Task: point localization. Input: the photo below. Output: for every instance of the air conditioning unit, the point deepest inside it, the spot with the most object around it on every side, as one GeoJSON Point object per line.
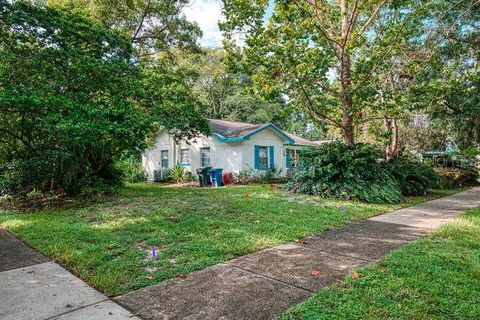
{"type": "Point", "coordinates": [161, 175]}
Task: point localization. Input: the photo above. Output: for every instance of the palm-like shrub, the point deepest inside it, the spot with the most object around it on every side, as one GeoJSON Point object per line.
{"type": "Point", "coordinates": [413, 177]}
{"type": "Point", "coordinates": [344, 171]}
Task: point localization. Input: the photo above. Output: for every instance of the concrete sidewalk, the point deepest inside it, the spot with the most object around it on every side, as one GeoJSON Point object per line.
{"type": "Point", "coordinates": [34, 288]}
{"type": "Point", "coordinates": [266, 283]}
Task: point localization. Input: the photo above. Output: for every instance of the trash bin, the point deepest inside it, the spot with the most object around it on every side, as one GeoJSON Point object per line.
{"type": "Point", "coordinates": [227, 178]}
{"type": "Point", "coordinates": [216, 177]}
{"type": "Point", "coordinates": [204, 176]}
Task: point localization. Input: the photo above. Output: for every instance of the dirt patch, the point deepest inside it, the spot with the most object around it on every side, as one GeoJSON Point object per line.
{"type": "Point", "coordinates": [49, 201]}
{"type": "Point", "coordinates": [147, 248]}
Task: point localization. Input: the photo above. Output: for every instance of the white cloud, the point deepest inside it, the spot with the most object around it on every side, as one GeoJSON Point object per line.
{"type": "Point", "coordinates": [207, 13]}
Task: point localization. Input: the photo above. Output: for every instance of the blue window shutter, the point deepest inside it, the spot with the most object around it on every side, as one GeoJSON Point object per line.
{"type": "Point", "coordinates": [289, 165]}
{"type": "Point", "coordinates": [257, 157]}
{"type": "Point", "coordinates": [272, 158]}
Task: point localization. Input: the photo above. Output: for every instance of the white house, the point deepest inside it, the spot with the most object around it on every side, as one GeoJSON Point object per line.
{"type": "Point", "coordinates": [233, 146]}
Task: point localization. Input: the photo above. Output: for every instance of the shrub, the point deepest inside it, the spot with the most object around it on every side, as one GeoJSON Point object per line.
{"type": "Point", "coordinates": [75, 126]}
{"type": "Point", "coordinates": [131, 169]}
{"type": "Point", "coordinates": [344, 171]}
{"type": "Point", "coordinates": [413, 177]}
{"type": "Point", "coordinates": [253, 175]}
{"type": "Point", "coordinates": [457, 177]}
{"type": "Point", "coordinates": [178, 174]}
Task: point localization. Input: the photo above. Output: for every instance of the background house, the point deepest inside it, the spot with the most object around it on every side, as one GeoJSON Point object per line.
{"type": "Point", "coordinates": [233, 146]}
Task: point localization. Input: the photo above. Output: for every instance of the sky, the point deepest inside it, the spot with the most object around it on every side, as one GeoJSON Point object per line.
{"type": "Point", "coordinates": [207, 13]}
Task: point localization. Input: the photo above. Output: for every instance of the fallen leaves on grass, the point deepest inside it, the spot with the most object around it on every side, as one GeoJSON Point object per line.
{"type": "Point", "coordinates": [315, 273]}
{"type": "Point", "coordinates": [275, 187]}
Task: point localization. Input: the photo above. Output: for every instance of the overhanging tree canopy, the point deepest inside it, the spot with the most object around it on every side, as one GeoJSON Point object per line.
{"type": "Point", "coordinates": [329, 57]}
{"type": "Point", "coordinates": [73, 97]}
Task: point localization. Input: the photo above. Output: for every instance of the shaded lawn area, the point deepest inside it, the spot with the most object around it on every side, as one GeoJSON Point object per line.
{"type": "Point", "coordinates": [107, 244]}
{"type": "Point", "coordinates": [437, 277]}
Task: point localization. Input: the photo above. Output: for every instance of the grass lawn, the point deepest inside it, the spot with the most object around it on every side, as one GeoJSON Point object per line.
{"type": "Point", "coordinates": [107, 244]}
{"type": "Point", "coordinates": [437, 277]}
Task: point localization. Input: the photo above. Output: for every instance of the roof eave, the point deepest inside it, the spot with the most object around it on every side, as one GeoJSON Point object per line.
{"type": "Point", "coordinates": [247, 136]}
{"type": "Point", "coordinates": [224, 139]}
{"type": "Point", "coordinates": [303, 145]}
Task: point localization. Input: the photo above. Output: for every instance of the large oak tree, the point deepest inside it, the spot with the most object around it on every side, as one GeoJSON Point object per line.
{"type": "Point", "coordinates": [332, 57]}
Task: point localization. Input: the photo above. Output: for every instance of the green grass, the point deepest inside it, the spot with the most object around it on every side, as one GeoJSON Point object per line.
{"type": "Point", "coordinates": [437, 277]}
{"type": "Point", "coordinates": [107, 244]}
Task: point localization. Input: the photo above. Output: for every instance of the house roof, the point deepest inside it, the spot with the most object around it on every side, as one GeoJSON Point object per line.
{"type": "Point", "coordinates": [233, 131]}
{"type": "Point", "coordinates": [229, 129]}
{"type": "Point", "coordinates": [304, 142]}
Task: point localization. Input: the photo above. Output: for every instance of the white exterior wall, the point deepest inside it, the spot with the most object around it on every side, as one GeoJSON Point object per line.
{"type": "Point", "coordinates": [265, 138]}
{"type": "Point", "coordinates": [232, 156]}
{"type": "Point", "coordinates": [151, 157]}
{"type": "Point", "coordinates": [222, 155]}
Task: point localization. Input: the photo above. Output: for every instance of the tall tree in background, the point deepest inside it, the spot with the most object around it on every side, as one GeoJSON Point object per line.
{"type": "Point", "coordinates": [405, 85]}
{"type": "Point", "coordinates": [158, 30]}
{"type": "Point", "coordinates": [454, 86]}
{"type": "Point", "coordinates": [223, 88]}
{"type": "Point", "coordinates": [151, 25]}
{"type": "Point", "coordinates": [310, 47]}
{"type": "Point", "coordinates": [330, 57]}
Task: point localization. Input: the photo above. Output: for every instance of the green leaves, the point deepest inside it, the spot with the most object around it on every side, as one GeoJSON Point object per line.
{"type": "Point", "coordinates": [73, 99]}
{"type": "Point", "coordinates": [151, 25]}
{"type": "Point", "coordinates": [413, 177]}
{"type": "Point", "coordinates": [352, 172]}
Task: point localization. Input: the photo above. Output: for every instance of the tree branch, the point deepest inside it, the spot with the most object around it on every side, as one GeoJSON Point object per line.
{"type": "Point", "coordinates": [315, 114]}
{"type": "Point", "coordinates": [334, 45]}
{"type": "Point", "coordinates": [142, 20]}
{"type": "Point", "coordinates": [372, 17]}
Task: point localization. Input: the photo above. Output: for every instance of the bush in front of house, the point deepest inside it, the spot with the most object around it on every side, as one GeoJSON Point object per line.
{"type": "Point", "coordinates": [457, 177]}
{"type": "Point", "coordinates": [413, 177]}
{"type": "Point", "coordinates": [131, 169]}
{"type": "Point", "coordinates": [339, 170]}
{"type": "Point", "coordinates": [251, 175]}
{"type": "Point", "coordinates": [178, 174]}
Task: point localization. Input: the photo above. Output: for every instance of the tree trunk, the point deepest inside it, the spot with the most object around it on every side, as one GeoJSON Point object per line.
{"type": "Point", "coordinates": [346, 83]}
{"type": "Point", "coordinates": [347, 127]}
{"type": "Point", "coordinates": [391, 127]}
{"type": "Point", "coordinates": [347, 121]}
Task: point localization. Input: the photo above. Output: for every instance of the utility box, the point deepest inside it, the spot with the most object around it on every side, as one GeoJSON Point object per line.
{"type": "Point", "coordinates": [161, 175]}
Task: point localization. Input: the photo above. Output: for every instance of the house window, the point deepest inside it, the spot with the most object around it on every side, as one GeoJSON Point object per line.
{"type": "Point", "coordinates": [184, 156]}
{"type": "Point", "coordinates": [264, 157]}
{"type": "Point", "coordinates": [293, 158]}
{"type": "Point", "coordinates": [205, 157]}
{"type": "Point", "coordinates": [164, 157]}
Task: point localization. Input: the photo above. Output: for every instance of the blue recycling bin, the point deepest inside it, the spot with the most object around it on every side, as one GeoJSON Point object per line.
{"type": "Point", "coordinates": [216, 175]}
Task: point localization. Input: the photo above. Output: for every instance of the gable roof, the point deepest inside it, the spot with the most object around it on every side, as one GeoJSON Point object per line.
{"type": "Point", "coordinates": [304, 142]}
{"type": "Point", "coordinates": [233, 131]}
{"type": "Point", "coordinates": [229, 129]}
